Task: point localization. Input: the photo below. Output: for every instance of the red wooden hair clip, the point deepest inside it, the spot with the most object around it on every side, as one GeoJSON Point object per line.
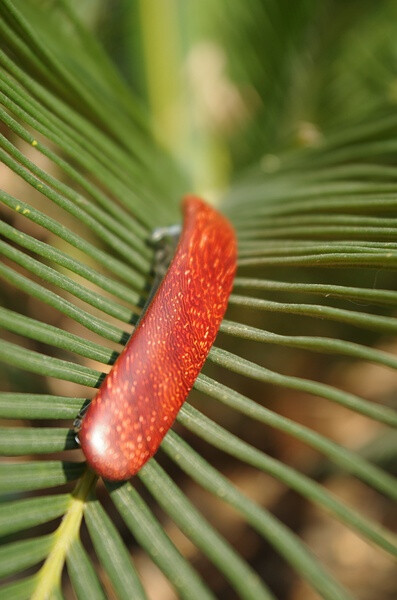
{"type": "Point", "coordinates": [139, 399]}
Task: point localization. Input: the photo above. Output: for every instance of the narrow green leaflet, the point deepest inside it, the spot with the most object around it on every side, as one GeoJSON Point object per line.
{"type": "Point", "coordinates": [147, 530]}
{"type": "Point", "coordinates": [18, 556]}
{"type": "Point", "coordinates": [246, 583]}
{"type": "Point", "coordinates": [82, 574]}
{"type": "Point", "coordinates": [22, 514]}
{"type": "Point", "coordinates": [112, 552]}
{"type": "Point", "coordinates": [285, 120]}
{"type": "Point", "coordinates": [278, 535]}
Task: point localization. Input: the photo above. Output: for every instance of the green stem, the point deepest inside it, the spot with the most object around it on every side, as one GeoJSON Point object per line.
{"type": "Point", "coordinates": [48, 577]}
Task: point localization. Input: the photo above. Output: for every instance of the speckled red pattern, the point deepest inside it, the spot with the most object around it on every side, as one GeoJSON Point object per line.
{"type": "Point", "coordinates": [141, 396]}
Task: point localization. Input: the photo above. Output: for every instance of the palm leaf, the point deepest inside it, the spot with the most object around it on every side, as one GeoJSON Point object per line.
{"type": "Point", "coordinates": [313, 198]}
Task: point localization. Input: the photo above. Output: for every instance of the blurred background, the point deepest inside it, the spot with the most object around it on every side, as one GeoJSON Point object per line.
{"type": "Point", "coordinates": [230, 89]}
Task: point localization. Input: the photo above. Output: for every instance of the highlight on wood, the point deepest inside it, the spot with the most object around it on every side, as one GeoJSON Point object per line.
{"type": "Point", "coordinates": [140, 398]}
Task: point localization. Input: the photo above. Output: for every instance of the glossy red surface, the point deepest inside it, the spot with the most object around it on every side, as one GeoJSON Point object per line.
{"type": "Point", "coordinates": [141, 396]}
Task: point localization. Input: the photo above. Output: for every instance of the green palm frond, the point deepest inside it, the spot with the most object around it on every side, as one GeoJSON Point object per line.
{"type": "Point", "coordinates": [308, 153]}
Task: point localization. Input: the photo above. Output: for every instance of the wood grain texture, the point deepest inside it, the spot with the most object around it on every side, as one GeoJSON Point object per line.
{"type": "Point", "coordinates": [141, 396]}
